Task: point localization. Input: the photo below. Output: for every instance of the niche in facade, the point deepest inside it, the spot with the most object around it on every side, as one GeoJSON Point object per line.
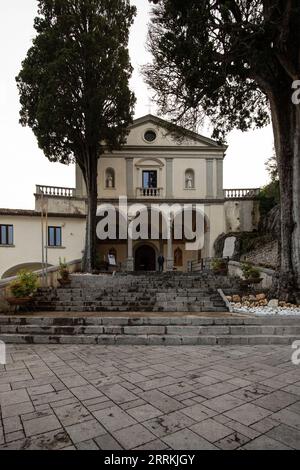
{"type": "Point", "coordinates": [110, 178]}
{"type": "Point", "coordinates": [189, 179]}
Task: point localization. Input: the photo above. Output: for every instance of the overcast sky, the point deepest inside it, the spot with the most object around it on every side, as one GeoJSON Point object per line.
{"type": "Point", "coordinates": [23, 164]}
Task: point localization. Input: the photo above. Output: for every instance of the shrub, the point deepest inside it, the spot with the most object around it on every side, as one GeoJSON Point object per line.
{"type": "Point", "coordinates": [25, 285]}
{"type": "Point", "coordinates": [219, 265]}
{"type": "Point", "coordinates": [63, 268]}
{"type": "Point", "coordinates": [250, 272]}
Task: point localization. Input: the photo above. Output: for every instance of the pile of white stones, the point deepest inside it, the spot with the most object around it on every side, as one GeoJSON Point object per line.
{"type": "Point", "coordinates": [259, 305]}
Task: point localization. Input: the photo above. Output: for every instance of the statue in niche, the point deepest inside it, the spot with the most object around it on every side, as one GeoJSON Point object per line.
{"type": "Point", "coordinates": [109, 181]}
{"type": "Point", "coordinates": [189, 182]}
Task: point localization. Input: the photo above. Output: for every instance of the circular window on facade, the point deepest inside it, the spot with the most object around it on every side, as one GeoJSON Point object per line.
{"type": "Point", "coordinates": [150, 136]}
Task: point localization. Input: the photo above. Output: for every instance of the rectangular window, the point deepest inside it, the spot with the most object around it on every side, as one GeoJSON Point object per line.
{"type": "Point", "coordinates": [149, 179]}
{"type": "Point", "coordinates": [6, 235]}
{"type": "Point", "coordinates": [54, 236]}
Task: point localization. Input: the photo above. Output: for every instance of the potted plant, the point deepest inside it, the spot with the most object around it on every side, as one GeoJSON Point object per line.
{"type": "Point", "coordinates": [22, 289]}
{"type": "Point", "coordinates": [251, 274]}
{"type": "Point", "coordinates": [219, 266]}
{"type": "Point", "coordinates": [64, 273]}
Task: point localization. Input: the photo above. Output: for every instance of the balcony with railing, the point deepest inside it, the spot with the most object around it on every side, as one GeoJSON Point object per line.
{"type": "Point", "coordinates": [55, 191]}
{"type": "Point", "coordinates": [241, 193]}
{"type": "Point", "coordinates": [149, 192]}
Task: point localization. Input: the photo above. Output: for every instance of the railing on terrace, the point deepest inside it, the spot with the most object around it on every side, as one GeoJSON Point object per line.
{"type": "Point", "coordinates": [55, 191]}
{"type": "Point", "coordinates": [145, 192]}
{"type": "Point", "coordinates": [241, 193]}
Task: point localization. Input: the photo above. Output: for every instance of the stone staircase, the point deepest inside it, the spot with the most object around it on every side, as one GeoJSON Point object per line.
{"type": "Point", "coordinates": [132, 309]}
{"type": "Point", "coordinates": [187, 330]}
{"type": "Point", "coordinates": [147, 292]}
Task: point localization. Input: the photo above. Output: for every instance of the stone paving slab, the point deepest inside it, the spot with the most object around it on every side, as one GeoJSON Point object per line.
{"type": "Point", "coordinates": [90, 397]}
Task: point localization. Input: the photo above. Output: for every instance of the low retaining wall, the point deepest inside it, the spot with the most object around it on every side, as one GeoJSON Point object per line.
{"type": "Point", "coordinates": [52, 280]}
{"type": "Point", "coordinates": [235, 269]}
{"type": "Point", "coordinates": [263, 255]}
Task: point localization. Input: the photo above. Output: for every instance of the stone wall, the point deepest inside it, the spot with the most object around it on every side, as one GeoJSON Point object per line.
{"type": "Point", "coordinates": [62, 205]}
{"type": "Point", "coordinates": [266, 255]}
{"type": "Point", "coordinates": [241, 215]}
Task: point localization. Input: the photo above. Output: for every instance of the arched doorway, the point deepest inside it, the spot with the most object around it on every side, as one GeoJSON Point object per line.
{"type": "Point", "coordinates": [145, 258]}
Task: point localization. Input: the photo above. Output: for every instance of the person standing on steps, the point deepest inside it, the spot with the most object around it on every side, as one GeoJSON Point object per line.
{"type": "Point", "coordinates": [161, 262]}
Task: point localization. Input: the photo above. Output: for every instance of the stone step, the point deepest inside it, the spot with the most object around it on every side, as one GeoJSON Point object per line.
{"type": "Point", "coordinates": [135, 302]}
{"type": "Point", "coordinates": [124, 320]}
{"type": "Point", "coordinates": [133, 308]}
{"type": "Point", "coordinates": [177, 330]}
{"type": "Point", "coordinates": [125, 292]}
{"type": "Point", "coordinates": [167, 340]}
{"type": "Point", "coordinates": [145, 292]}
{"type": "Point", "coordinates": [164, 297]}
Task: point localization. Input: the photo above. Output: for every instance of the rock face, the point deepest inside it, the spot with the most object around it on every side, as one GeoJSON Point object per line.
{"type": "Point", "coordinates": [271, 223]}
{"type": "Point", "coordinates": [259, 247]}
{"type": "Point", "coordinates": [225, 241]}
{"type": "Point", "coordinates": [260, 296]}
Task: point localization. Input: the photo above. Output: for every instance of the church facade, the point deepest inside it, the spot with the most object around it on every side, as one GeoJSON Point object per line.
{"type": "Point", "coordinates": [160, 165]}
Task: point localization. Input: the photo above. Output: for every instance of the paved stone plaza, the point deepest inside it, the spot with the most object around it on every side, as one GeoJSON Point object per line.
{"type": "Point", "coordinates": [153, 398]}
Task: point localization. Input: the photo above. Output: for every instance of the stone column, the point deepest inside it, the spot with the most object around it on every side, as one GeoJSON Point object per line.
{"type": "Point", "coordinates": [129, 177]}
{"type": "Point", "coordinates": [169, 178]}
{"type": "Point", "coordinates": [130, 258]}
{"type": "Point", "coordinates": [170, 256]}
{"type": "Point", "coordinates": [209, 178]}
{"type": "Point", "coordinates": [220, 192]}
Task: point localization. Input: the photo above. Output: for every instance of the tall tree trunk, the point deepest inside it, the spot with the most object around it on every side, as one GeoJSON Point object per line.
{"type": "Point", "coordinates": [91, 178]}
{"type": "Point", "coordinates": [286, 125]}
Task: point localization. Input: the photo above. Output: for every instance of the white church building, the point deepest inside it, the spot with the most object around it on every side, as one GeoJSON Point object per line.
{"type": "Point", "coordinates": [157, 165]}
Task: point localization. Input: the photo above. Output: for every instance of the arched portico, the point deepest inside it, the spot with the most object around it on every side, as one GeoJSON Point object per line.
{"type": "Point", "coordinates": [145, 257]}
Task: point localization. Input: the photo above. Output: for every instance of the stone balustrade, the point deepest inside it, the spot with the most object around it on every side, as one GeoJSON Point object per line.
{"type": "Point", "coordinates": [229, 194]}
{"type": "Point", "coordinates": [149, 192]}
{"type": "Point", "coordinates": [55, 191]}
{"type": "Point", "coordinates": [241, 193]}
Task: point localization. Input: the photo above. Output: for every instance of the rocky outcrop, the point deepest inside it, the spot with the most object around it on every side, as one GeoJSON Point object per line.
{"type": "Point", "coordinates": [271, 224]}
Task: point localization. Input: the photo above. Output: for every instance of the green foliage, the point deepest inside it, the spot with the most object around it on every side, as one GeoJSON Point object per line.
{"type": "Point", "coordinates": [74, 88]}
{"type": "Point", "coordinates": [219, 264]}
{"type": "Point", "coordinates": [250, 272]}
{"type": "Point", "coordinates": [73, 84]}
{"type": "Point", "coordinates": [25, 285]}
{"type": "Point", "coordinates": [268, 198]}
{"type": "Point", "coordinates": [272, 168]}
{"type": "Point", "coordinates": [221, 59]}
{"type": "Point", "coordinates": [63, 268]}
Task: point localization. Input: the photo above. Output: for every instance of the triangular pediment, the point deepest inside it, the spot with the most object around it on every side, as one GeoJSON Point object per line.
{"type": "Point", "coordinates": [167, 135]}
